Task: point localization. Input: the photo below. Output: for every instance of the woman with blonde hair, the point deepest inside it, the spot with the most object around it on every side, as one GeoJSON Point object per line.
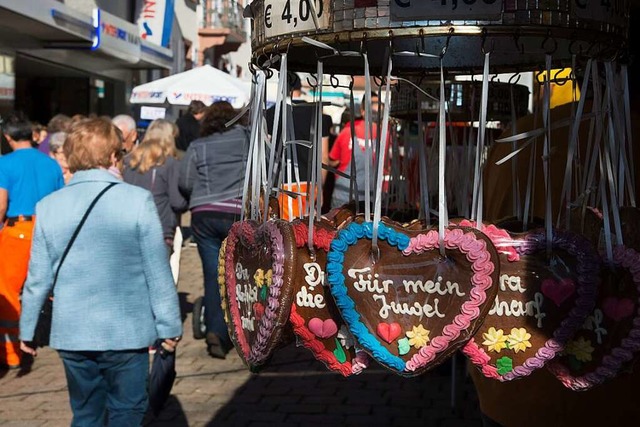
{"type": "Point", "coordinates": [153, 165]}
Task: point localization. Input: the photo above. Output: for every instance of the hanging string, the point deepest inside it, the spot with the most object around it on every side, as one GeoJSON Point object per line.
{"type": "Point", "coordinates": [514, 164]}
{"type": "Point", "coordinates": [314, 189]}
{"type": "Point", "coordinates": [250, 181]}
{"type": "Point", "coordinates": [443, 219]}
{"type": "Point", "coordinates": [627, 127]}
{"type": "Point", "coordinates": [380, 159]}
{"type": "Point", "coordinates": [477, 179]}
{"type": "Point", "coordinates": [353, 183]}
{"type": "Point", "coordinates": [367, 139]}
{"type": "Point", "coordinates": [605, 215]}
{"type": "Point", "coordinates": [278, 134]}
{"type": "Point", "coordinates": [422, 163]}
{"type": "Point", "coordinates": [565, 195]}
{"type": "Point", "coordinates": [546, 158]}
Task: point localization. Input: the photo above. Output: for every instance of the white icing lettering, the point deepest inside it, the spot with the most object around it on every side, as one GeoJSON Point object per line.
{"type": "Point", "coordinates": [594, 323]}
{"type": "Point", "coordinates": [314, 274]}
{"type": "Point", "coordinates": [305, 298]}
{"type": "Point", "coordinates": [241, 272]}
{"type": "Point", "coordinates": [415, 309]}
{"type": "Point", "coordinates": [247, 323]}
{"type": "Point", "coordinates": [518, 308]}
{"type": "Point", "coordinates": [245, 293]}
{"type": "Point", "coordinates": [364, 282]}
{"type": "Point", "coordinates": [512, 282]}
{"type": "Point", "coordinates": [432, 288]}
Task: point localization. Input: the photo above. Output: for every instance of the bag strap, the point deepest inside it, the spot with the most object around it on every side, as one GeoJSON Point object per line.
{"type": "Point", "coordinates": [77, 230]}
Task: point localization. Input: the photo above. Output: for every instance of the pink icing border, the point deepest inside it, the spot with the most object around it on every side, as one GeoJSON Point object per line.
{"type": "Point", "coordinates": [257, 353]}
{"type": "Point", "coordinates": [611, 363]}
{"type": "Point", "coordinates": [476, 252]}
{"type": "Point", "coordinates": [584, 304]}
{"type": "Point", "coordinates": [500, 238]}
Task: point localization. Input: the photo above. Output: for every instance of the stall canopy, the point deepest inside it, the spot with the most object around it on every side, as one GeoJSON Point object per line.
{"type": "Point", "coordinates": [205, 83]}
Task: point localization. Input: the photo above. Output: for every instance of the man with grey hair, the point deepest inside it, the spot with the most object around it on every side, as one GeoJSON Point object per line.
{"type": "Point", "coordinates": [127, 126]}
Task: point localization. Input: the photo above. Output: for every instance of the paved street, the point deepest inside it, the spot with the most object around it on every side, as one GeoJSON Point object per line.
{"type": "Point", "coordinates": [293, 390]}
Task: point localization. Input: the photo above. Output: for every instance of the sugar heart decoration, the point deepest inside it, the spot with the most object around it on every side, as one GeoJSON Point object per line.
{"type": "Point", "coordinates": [558, 290]}
{"type": "Point", "coordinates": [258, 309]}
{"type": "Point", "coordinates": [618, 308]}
{"type": "Point", "coordinates": [323, 328]}
{"type": "Point", "coordinates": [389, 331]}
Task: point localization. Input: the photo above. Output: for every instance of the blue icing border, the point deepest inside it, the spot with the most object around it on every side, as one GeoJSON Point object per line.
{"type": "Point", "coordinates": [335, 259]}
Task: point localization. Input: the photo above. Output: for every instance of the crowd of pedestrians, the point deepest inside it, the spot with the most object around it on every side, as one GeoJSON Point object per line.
{"type": "Point", "coordinates": [89, 210]}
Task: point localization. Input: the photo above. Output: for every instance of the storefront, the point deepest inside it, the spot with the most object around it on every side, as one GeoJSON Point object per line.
{"type": "Point", "coordinates": [55, 59]}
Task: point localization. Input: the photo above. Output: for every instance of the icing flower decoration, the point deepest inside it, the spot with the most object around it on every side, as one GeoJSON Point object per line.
{"type": "Point", "coordinates": [518, 339]}
{"type": "Point", "coordinates": [496, 340]}
{"type": "Point", "coordinates": [268, 277]}
{"type": "Point", "coordinates": [418, 336]}
{"type": "Point", "coordinates": [258, 277]}
{"type": "Point", "coordinates": [504, 365]}
{"type": "Point", "coordinates": [581, 349]}
{"type": "Point", "coordinates": [403, 346]}
{"type": "Point", "coordinates": [345, 337]}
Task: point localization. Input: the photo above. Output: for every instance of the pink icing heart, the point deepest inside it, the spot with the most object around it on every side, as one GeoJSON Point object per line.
{"type": "Point", "coordinates": [558, 290]}
{"type": "Point", "coordinates": [389, 331]}
{"type": "Point", "coordinates": [617, 308]}
{"type": "Point", "coordinates": [323, 328]}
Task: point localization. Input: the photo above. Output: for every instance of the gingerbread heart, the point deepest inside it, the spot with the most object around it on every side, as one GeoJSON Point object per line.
{"type": "Point", "coordinates": [541, 303]}
{"type": "Point", "coordinates": [609, 340]}
{"type": "Point", "coordinates": [314, 316]}
{"type": "Point", "coordinates": [259, 261]}
{"type": "Point", "coordinates": [410, 307]}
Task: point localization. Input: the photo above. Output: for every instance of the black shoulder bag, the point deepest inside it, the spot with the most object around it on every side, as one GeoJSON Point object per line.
{"type": "Point", "coordinates": [43, 327]}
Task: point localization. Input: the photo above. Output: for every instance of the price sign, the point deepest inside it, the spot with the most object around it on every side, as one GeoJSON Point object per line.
{"type": "Point", "coordinates": [293, 16]}
{"type": "Point", "coordinates": [610, 11]}
{"type": "Point", "coordinates": [416, 10]}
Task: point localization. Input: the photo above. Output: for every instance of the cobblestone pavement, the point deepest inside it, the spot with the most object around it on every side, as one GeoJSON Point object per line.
{"type": "Point", "coordinates": [292, 390]}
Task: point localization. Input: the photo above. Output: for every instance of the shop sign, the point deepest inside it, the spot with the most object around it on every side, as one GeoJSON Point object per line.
{"type": "Point", "coordinates": [156, 20]}
{"type": "Point", "coordinates": [116, 36]}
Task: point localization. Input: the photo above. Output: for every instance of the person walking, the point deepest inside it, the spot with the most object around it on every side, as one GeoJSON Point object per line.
{"type": "Point", "coordinates": [26, 176]}
{"type": "Point", "coordinates": [127, 126]}
{"type": "Point", "coordinates": [154, 166]}
{"type": "Point", "coordinates": [212, 175]}
{"type": "Point", "coordinates": [114, 294]}
{"type": "Point", "coordinates": [189, 125]}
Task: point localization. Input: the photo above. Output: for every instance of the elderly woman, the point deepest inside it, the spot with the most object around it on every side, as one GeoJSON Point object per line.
{"type": "Point", "coordinates": [114, 294]}
{"type": "Point", "coordinates": [153, 165]}
{"type": "Point", "coordinates": [212, 174]}
{"type": "Point", "coordinates": [56, 142]}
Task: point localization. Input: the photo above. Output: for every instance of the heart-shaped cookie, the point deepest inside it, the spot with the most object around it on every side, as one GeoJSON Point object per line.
{"type": "Point", "coordinates": [609, 340]}
{"type": "Point", "coordinates": [542, 301]}
{"type": "Point", "coordinates": [437, 301]}
{"type": "Point", "coordinates": [315, 318]}
{"type": "Point", "coordinates": [259, 262]}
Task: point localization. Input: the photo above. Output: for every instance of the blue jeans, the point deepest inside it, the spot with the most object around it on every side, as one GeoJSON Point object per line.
{"type": "Point", "coordinates": [209, 230]}
{"type": "Point", "coordinates": [107, 385]}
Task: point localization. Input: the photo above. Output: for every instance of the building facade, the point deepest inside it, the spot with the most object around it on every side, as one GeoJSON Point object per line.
{"type": "Point", "coordinates": [84, 56]}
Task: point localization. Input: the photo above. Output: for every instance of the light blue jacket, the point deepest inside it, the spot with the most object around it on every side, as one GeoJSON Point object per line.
{"type": "Point", "coordinates": [115, 290]}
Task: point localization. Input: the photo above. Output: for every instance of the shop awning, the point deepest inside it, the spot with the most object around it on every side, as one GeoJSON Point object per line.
{"type": "Point", "coordinates": [28, 24]}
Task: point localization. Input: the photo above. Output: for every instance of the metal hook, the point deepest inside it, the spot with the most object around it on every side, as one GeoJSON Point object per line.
{"type": "Point", "coordinates": [484, 40]}
{"type": "Point", "coordinates": [511, 79]}
{"type": "Point", "coordinates": [446, 44]}
{"type": "Point", "coordinates": [315, 79]}
{"type": "Point", "coordinates": [516, 40]}
{"type": "Point", "coordinates": [544, 42]}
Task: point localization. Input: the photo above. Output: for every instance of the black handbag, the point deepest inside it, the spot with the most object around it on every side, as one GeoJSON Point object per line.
{"type": "Point", "coordinates": [43, 327]}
